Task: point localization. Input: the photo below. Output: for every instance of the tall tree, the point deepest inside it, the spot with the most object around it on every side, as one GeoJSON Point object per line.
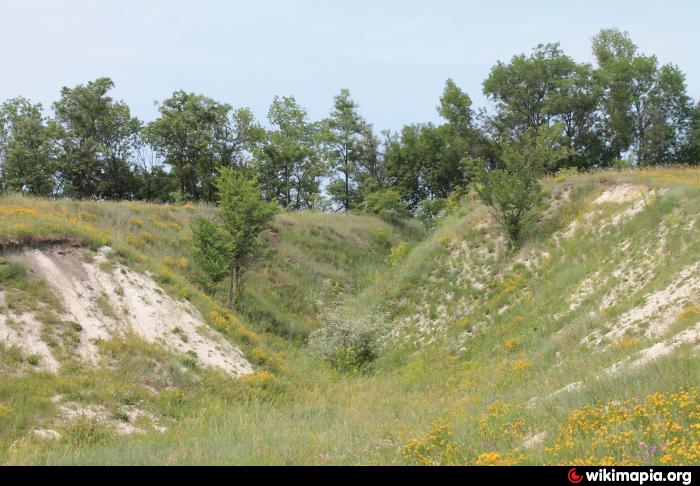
{"type": "Point", "coordinates": [371, 168]}
{"type": "Point", "coordinates": [545, 88]}
{"type": "Point", "coordinates": [196, 134]}
{"type": "Point", "coordinates": [576, 105]}
{"type": "Point", "coordinates": [289, 163]}
{"type": "Point", "coordinates": [96, 138]}
{"type": "Point", "coordinates": [646, 105]}
{"type": "Point", "coordinates": [152, 181]}
{"type": "Point", "coordinates": [456, 107]}
{"type": "Point", "coordinates": [691, 148]}
{"type": "Point", "coordinates": [26, 148]}
{"type": "Point", "coordinates": [522, 89]}
{"type": "Point", "coordinates": [343, 133]}
{"type": "Point", "coordinates": [182, 135]}
{"type": "Point", "coordinates": [425, 162]}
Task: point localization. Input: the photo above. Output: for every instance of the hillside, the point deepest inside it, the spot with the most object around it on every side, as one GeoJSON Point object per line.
{"type": "Point", "coordinates": [580, 347]}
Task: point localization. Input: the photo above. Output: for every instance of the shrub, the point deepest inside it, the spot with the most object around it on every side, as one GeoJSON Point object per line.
{"type": "Point", "coordinates": [386, 204]}
{"type": "Point", "coordinates": [347, 343]}
{"type": "Point", "coordinates": [86, 431]}
{"type": "Point", "coordinates": [259, 386]}
{"type": "Point", "coordinates": [266, 358]}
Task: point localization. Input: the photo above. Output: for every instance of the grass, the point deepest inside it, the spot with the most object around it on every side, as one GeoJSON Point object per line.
{"type": "Point", "coordinates": [485, 341]}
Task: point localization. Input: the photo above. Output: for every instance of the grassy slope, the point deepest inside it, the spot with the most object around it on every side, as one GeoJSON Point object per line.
{"type": "Point", "coordinates": [314, 259]}
{"type": "Point", "coordinates": [481, 332]}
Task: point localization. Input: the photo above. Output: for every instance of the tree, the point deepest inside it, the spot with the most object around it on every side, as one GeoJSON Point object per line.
{"type": "Point", "coordinates": [152, 181]}
{"type": "Point", "coordinates": [455, 107]}
{"type": "Point", "coordinates": [545, 88]}
{"type": "Point", "coordinates": [195, 134]}
{"type": "Point", "coordinates": [646, 106]}
{"type": "Point", "coordinates": [691, 148]}
{"type": "Point", "coordinates": [575, 104]}
{"type": "Point", "coordinates": [342, 136]}
{"type": "Point", "coordinates": [522, 89]}
{"type": "Point", "coordinates": [96, 137]}
{"type": "Point", "coordinates": [371, 171]}
{"type": "Point", "coordinates": [425, 162]}
{"type": "Point", "coordinates": [386, 204]}
{"type": "Point", "coordinates": [611, 44]}
{"type": "Point", "coordinates": [513, 189]}
{"type": "Point", "coordinates": [225, 246]}
{"type": "Point", "coordinates": [289, 163]}
{"type": "Point", "coordinates": [27, 151]}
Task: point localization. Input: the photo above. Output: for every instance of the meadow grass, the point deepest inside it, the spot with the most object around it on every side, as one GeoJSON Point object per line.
{"type": "Point", "coordinates": [500, 376]}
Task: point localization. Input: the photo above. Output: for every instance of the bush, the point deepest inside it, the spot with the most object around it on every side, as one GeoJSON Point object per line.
{"type": "Point", "coordinates": [347, 343]}
{"type": "Point", "coordinates": [87, 431]}
{"type": "Point", "coordinates": [386, 204]}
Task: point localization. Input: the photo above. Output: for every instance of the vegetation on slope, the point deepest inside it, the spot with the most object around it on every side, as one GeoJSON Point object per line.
{"type": "Point", "coordinates": [490, 356]}
{"type": "Point", "coordinates": [163, 388]}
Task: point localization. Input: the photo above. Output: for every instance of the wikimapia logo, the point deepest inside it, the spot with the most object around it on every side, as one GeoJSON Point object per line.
{"type": "Point", "coordinates": [574, 477]}
{"type": "Point", "coordinates": [639, 477]}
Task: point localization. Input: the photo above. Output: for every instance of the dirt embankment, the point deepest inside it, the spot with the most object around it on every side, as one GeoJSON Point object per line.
{"type": "Point", "coordinates": [106, 299]}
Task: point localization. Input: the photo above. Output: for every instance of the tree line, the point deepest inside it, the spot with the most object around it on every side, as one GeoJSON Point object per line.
{"type": "Point", "coordinates": [625, 106]}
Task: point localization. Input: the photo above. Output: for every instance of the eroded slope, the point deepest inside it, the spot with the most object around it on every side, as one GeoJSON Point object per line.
{"type": "Point", "coordinates": [99, 299]}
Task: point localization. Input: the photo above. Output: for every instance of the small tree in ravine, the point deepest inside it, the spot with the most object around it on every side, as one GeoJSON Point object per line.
{"type": "Point", "coordinates": [226, 246]}
{"type": "Point", "coordinates": [513, 190]}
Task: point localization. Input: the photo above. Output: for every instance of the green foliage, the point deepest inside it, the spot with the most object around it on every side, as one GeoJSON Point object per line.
{"type": "Point", "coordinates": [386, 204]}
{"type": "Point", "coordinates": [544, 88]}
{"type": "Point", "coordinates": [26, 148]}
{"type": "Point", "coordinates": [646, 105]}
{"type": "Point", "coordinates": [96, 137]}
{"type": "Point", "coordinates": [455, 107]}
{"type": "Point", "coordinates": [513, 190]}
{"type": "Point", "coordinates": [289, 163]}
{"type": "Point", "coordinates": [213, 248]}
{"type": "Point", "coordinates": [348, 343]}
{"type": "Point", "coordinates": [430, 211]}
{"type": "Point", "coordinates": [342, 135]}
{"type": "Point", "coordinates": [425, 163]}
{"type": "Point", "coordinates": [228, 245]}
{"type": "Point", "coordinates": [196, 134]}
{"type": "Point", "coordinates": [152, 182]}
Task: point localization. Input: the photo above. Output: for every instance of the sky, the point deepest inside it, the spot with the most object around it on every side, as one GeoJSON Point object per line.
{"type": "Point", "coordinates": [393, 55]}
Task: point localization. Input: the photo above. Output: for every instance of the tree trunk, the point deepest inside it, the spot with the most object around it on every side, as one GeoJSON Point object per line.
{"type": "Point", "coordinates": [239, 286]}
{"type": "Point", "coordinates": [231, 277]}
{"type": "Point", "coordinates": [288, 201]}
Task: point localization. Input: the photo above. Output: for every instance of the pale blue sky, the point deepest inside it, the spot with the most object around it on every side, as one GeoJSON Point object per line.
{"type": "Point", "coordinates": [394, 56]}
